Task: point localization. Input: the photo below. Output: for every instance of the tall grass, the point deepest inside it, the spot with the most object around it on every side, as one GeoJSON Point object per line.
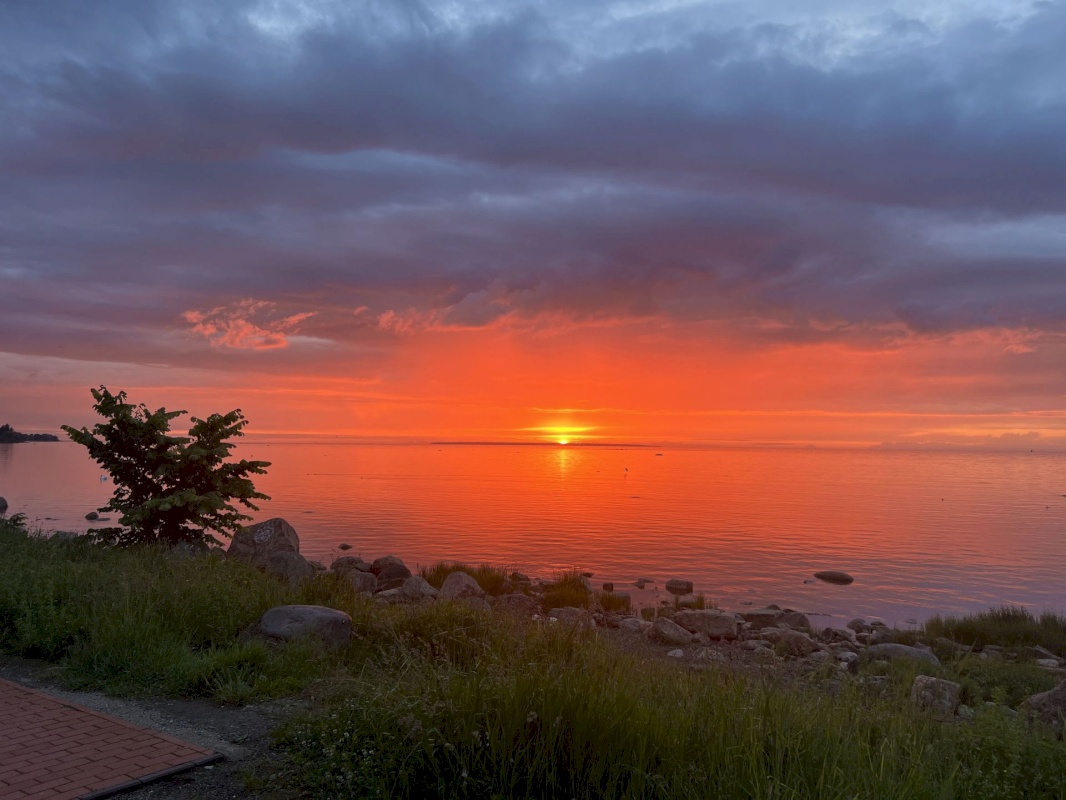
{"type": "Point", "coordinates": [1008, 626]}
{"type": "Point", "coordinates": [567, 591]}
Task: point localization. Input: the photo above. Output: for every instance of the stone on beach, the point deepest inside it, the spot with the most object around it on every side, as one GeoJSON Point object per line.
{"type": "Point", "coordinates": [634, 624]}
{"type": "Point", "coordinates": [384, 562]}
{"type": "Point", "coordinates": [678, 587]}
{"type": "Point", "coordinates": [834, 576]}
{"type": "Point", "coordinates": [762, 617]}
{"type": "Point", "coordinates": [795, 620]}
{"type": "Point", "coordinates": [417, 590]}
{"type": "Point", "coordinates": [349, 564]}
{"type": "Point", "coordinates": [92, 516]}
{"type": "Point", "coordinates": [936, 694]}
{"type": "Point", "coordinates": [667, 631]}
{"type": "Point", "coordinates": [716, 624]}
{"type": "Point", "coordinates": [332, 627]}
{"type": "Point", "coordinates": [1049, 707]}
{"type": "Point", "coordinates": [459, 585]}
{"type": "Point", "coordinates": [3, 506]}
{"type": "Point", "coordinates": [578, 617]}
{"type": "Point", "coordinates": [517, 605]}
{"type": "Point", "coordinates": [365, 582]}
{"type": "Point", "coordinates": [272, 546]}
{"type": "Point", "coordinates": [891, 650]}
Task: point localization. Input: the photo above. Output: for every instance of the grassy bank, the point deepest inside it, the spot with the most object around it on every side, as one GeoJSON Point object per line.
{"type": "Point", "coordinates": [446, 701]}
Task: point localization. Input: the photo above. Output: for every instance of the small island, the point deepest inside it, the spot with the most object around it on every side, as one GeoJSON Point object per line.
{"type": "Point", "coordinates": [9, 435]}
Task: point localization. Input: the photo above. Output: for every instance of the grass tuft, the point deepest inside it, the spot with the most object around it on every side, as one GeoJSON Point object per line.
{"type": "Point", "coordinates": [493, 580]}
{"type": "Point", "coordinates": [570, 590]}
{"type": "Point", "coordinates": [1007, 626]}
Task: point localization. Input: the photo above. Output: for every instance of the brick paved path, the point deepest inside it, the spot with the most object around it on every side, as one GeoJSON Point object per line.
{"type": "Point", "coordinates": [53, 749]}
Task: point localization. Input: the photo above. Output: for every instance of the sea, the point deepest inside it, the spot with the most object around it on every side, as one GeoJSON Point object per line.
{"type": "Point", "coordinates": [921, 532]}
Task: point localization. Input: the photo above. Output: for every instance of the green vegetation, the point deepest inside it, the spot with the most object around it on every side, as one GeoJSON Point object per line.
{"type": "Point", "coordinates": [570, 590]}
{"type": "Point", "coordinates": [492, 579]}
{"type": "Point", "coordinates": [9, 435]}
{"type": "Point", "coordinates": [614, 602]}
{"type": "Point", "coordinates": [1006, 626]}
{"type": "Point", "coordinates": [445, 701]}
{"type": "Point", "coordinates": [169, 489]}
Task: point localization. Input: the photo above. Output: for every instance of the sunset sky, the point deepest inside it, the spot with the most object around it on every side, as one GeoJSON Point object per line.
{"type": "Point", "coordinates": [760, 221]}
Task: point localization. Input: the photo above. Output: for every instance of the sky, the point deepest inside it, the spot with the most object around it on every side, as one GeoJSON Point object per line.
{"type": "Point", "coordinates": [765, 221]}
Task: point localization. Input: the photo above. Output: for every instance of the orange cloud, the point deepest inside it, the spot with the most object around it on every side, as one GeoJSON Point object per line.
{"type": "Point", "coordinates": [246, 325]}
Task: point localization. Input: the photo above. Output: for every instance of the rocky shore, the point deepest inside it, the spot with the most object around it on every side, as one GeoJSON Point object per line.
{"type": "Point", "coordinates": [755, 639]}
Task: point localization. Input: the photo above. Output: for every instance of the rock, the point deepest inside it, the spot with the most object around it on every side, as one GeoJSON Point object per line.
{"type": "Point", "coordinates": [946, 645]}
{"type": "Point", "coordinates": [858, 625]}
{"type": "Point", "coordinates": [332, 627]}
{"type": "Point", "coordinates": [716, 624]}
{"type": "Point", "coordinates": [519, 577]}
{"type": "Point", "coordinates": [667, 631]}
{"type": "Point", "coordinates": [795, 620]}
{"type": "Point", "coordinates": [92, 516]}
{"type": "Point", "coordinates": [517, 605]}
{"type": "Point", "coordinates": [477, 603]}
{"type": "Point", "coordinates": [794, 643]}
{"type": "Point", "coordinates": [459, 585]}
{"type": "Point", "coordinates": [833, 576]}
{"type": "Point", "coordinates": [317, 566]}
{"type": "Point", "coordinates": [257, 543]}
{"type": "Point", "coordinates": [380, 564]}
{"type": "Point", "coordinates": [890, 651]}
{"type": "Point", "coordinates": [3, 506]}
{"type": "Point", "coordinates": [764, 654]}
{"type": "Point", "coordinates": [847, 657]}
{"type": "Point", "coordinates": [1036, 651]}
{"type": "Point", "coordinates": [1049, 706]}
{"type": "Point", "coordinates": [64, 536]}
{"type": "Point", "coordinates": [344, 546]}
{"type": "Point", "coordinates": [1047, 663]}
{"type": "Point", "coordinates": [678, 587]}
{"type": "Point", "coordinates": [578, 617]}
{"type": "Point", "coordinates": [634, 624]}
{"type": "Point", "coordinates": [762, 617]}
{"type": "Point", "coordinates": [349, 564]}
{"type": "Point", "coordinates": [392, 576]}
{"type": "Point", "coordinates": [392, 596]}
{"type": "Point", "coordinates": [608, 587]}
{"type": "Point", "coordinates": [291, 567]}
{"type": "Point", "coordinates": [417, 589]}
{"type": "Point", "coordinates": [711, 654]}
{"type": "Point", "coordinates": [936, 695]}
{"type": "Point", "coordinates": [364, 582]}
{"type": "Point", "coordinates": [586, 582]}
{"type": "Point", "coordinates": [755, 644]}
{"type": "Point", "coordinates": [820, 656]}
{"type": "Point", "coordinates": [836, 636]}
{"type": "Point", "coordinates": [676, 654]}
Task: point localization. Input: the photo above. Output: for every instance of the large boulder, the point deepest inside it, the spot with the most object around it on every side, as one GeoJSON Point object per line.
{"type": "Point", "coordinates": [666, 631]}
{"type": "Point", "coordinates": [796, 620]}
{"type": "Point", "coordinates": [332, 627]}
{"type": "Point", "coordinates": [349, 564]}
{"type": "Point", "coordinates": [634, 624]}
{"type": "Point", "coordinates": [458, 586]}
{"type": "Point", "coordinates": [290, 567]}
{"type": "Point", "coordinates": [385, 561]}
{"type": "Point", "coordinates": [364, 582]}
{"type": "Point", "coordinates": [716, 624]}
{"type": "Point", "coordinates": [1049, 706]}
{"type": "Point", "coordinates": [417, 589]}
{"type": "Point", "coordinates": [794, 643]}
{"type": "Point", "coordinates": [676, 586]}
{"type": "Point", "coordinates": [3, 506]}
{"type": "Point", "coordinates": [936, 695]}
{"type": "Point", "coordinates": [889, 651]}
{"type": "Point", "coordinates": [392, 576]}
{"type": "Point", "coordinates": [256, 543]}
{"type": "Point", "coordinates": [762, 617]}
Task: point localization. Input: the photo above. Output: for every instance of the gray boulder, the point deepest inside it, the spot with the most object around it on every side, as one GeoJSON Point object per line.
{"type": "Point", "coordinates": [1048, 707]}
{"type": "Point", "coordinates": [477, 603]}
{"type": "Point", "coordinates": [92, 516]}
{"type": "Point", "coordinates": [667, 631]}
{"type": "Point", "coordinates": [795, 620]}
{"type": "Point", "coordinates": [364, 582]}
{"type": "Point", "coordinates": [385, 561]}
{"type": "Point", "coordinates": [836, 636]}
{"type": "Point", "coordinates": [392, 576]}
{"type": "Point", "coordinates": [634, 624]}
{"type": "Point", "coordinates": [256, 543]}
{"type": "Point", "coordinates": [290, 567]}
{"type": "Point", "coordinates": [332, 627]}
{"type": "Point", "coordinates": [678, 587]}
{"type": "Point", "coordinates": [458, 586]}
{"type": "Point", "coordinates": [417, 589]}
{"type": "Point", "coordinates": [762, 617]}
{"type": "Point", "coordinates": [892, 650]}
{"type": "Point", "coordinates": [795, 643]}
{"type": "Point", "coordinates": [716, 624]}
{"type": "Point", "coordinates": [349, 564]}
{"type": "Point", "coordinates": [936, 695]}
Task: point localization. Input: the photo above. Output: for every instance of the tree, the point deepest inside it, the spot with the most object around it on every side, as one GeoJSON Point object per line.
{"type": "Point", "coordinates": [169, 489]}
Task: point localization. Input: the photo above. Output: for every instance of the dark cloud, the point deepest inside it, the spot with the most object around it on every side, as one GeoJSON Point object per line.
{"type": "Point", "coordinates": [464, 167]}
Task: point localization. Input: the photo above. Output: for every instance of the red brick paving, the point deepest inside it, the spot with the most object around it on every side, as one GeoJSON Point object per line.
{"type": "Point", "coordinates": [54, 750]}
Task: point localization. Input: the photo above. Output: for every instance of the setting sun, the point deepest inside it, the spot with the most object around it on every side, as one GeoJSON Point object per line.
{"type": "Point", "coordinates": [564, 441]}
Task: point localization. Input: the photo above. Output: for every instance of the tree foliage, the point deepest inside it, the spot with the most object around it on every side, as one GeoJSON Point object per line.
{"type": "Point", "coordinates": [169, 489]}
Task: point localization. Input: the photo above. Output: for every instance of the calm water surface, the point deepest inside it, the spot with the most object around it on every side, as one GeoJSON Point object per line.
{"type": "Point", "coordinates": [921, 532]}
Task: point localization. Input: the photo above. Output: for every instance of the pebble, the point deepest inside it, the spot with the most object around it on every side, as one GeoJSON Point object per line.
{"type": "Point", "coordinates": [676, 654]}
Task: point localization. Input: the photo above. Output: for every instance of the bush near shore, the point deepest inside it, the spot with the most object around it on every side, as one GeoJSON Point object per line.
{"type": "Point", "coordinates": [444, 700]}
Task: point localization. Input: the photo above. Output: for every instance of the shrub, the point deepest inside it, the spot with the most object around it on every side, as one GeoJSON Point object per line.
{"type": "Point", "coordinates": [492, 579]}
{"type": "Point", "coordinates": [168, 489]}
{"type": "Point", "coordinates": [569, 591]}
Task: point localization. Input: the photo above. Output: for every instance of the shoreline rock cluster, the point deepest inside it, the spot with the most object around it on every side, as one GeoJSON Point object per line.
{"type": "Point", "coordinates": [752, 639]}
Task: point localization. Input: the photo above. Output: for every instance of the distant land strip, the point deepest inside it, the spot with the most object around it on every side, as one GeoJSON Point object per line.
{"type": "Point", "coordinates": [9, 435]}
